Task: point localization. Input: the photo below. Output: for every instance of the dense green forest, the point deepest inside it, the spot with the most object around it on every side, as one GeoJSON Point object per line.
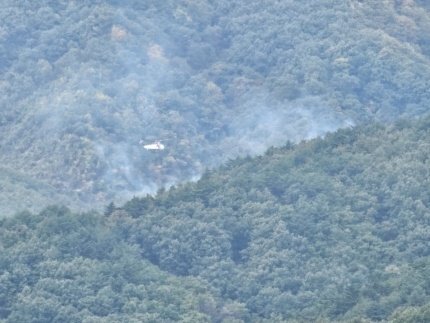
{"type": "Point", "coordinates": [82, 82]}
{"type": "Point", "coordinates": [295, 183]}
{"type": "Point", "coordinates": [330, 229]}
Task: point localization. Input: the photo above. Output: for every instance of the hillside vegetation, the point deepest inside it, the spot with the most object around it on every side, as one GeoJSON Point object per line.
{"type": "Point", "coordinates": [82, 82]}
{"type": "Point", "coordinates": [328, 230]}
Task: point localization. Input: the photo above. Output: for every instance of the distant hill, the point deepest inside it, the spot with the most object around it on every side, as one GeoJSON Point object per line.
{"type": "Point", "coordinates": [82, 82]}
{"type": "Point", "coordinates": [330, 230]}
{"type": "Point", "coordinates": [20, 191]}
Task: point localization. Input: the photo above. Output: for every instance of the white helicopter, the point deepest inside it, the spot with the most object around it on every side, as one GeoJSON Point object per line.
{"type": "Point", "coordinates": [156, 145]}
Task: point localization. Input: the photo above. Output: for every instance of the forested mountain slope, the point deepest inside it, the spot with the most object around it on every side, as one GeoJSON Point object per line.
{"type": "Point", "coordinates": [82, 82]}
{"type": "Point", "coordinates": [332, 229]}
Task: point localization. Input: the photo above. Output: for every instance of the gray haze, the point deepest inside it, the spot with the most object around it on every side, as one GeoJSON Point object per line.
{"type": "Point", "coordinates": [81, 85]}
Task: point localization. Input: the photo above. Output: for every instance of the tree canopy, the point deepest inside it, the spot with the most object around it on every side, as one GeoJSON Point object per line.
{"type": "Point", "coordinates": [330, 229]}
{"type": "Point", "coordinates": [81, 83]}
